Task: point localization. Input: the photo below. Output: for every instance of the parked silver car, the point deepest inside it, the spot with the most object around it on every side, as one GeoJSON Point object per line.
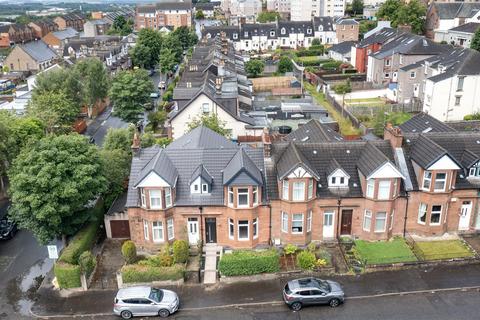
{"type": "Point", "coordinates": [145, 301]}
{"type": "Point", "coordinates": [311, 291]}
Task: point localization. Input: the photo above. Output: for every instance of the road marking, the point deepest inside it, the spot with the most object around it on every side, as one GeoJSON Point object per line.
{"type": "Point", "coordinates": [269, 303]}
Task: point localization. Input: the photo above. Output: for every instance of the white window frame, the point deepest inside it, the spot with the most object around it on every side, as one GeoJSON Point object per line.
{"type": "Point", "coordinates": [367, 217]}
{"type": "Point", "coordinates": [255, 228]}
{"type": "Point", "coordinates": [310, 189]}
{"type": "Point", "coordinates": [231, 196]}
{"type": "Point", "coordinates": [143, 198]}
{"type": "Point", "coordinates": [387, 62]}
{"type": "Point", "coordinates": [159, 198]}
{"type": "Point", "coordinates": [309, 220]}
{"type": "Point", "coordinates": [296, 188]}
{"type": "Point", "coordinates": [284, 223]}
{"type": "Point", "coordinates": [239, 224]}
{"type": "Point", "coordinates": [392, 215]}
{"type": "Point", "coordinates": [444, 182]}
{"type": "Point", "coordinates": [384, 221]}
{"type": "Point", "coordinates": [285, 189]}
{"type": "Point", "coordinates": [395, 187]}
{"type": "Point", "coordinates": [204, 188]}
{"type": "Point", "coordinates": [168, 197]}
{"type": "Point", "coordinates": [296, 221]}
{"type": "Point", "coordinates": [145, 230]}
{"type": "Point", "coordinates": [370, 188]}
{"type": "Point", "coordinates": [439, 212]}
{"type": "Point", "coordinates": [255, 195]}
{"type": "Point", "coordinates": [158, 226]}
{"type": "Point", "coordinates": [422, 208]}
{"type": "Point", "coordinates": [243, 193]}
{"type": "Point", "coordinates": [170, 229]}
{"type": "Point", "coordinates": [413, 74]}
{"type": "Point", "coordinates": [427, 177]}
{"type": "Point", "coordinates": [231, 229]}
{"type": "Point", "coordinates": [384, 195]}
{"type": "Point", "coordinates": [206, 107]}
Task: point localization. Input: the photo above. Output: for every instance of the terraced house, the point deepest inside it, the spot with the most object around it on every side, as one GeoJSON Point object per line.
{"type": "Point", "coordinates": [310, 186]}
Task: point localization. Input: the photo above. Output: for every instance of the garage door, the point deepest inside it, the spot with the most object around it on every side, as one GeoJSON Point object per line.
{"type": "Point", "coordinates": [120, 228]}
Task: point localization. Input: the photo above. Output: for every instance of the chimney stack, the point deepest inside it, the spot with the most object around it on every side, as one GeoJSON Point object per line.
{"type": "Point", "coordinates": [136, 143]}
{"type": "Point", "coordinates": [393, 134]}
{"type": "Point", "coordinates": [267, 143]}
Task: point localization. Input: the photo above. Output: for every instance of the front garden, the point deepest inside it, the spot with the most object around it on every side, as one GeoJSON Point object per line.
{"type": "Point", "coordinates": [443, 250]}
{"type": "Point", "coordinates": [384, 252]}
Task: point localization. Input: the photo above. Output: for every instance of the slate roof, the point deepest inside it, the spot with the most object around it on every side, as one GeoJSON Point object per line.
{"type": "Point", "coordinates": [410, 44]}
{"type": "Point", "coordinates": [344, 21]}
{"type": "Point", "coordinates": [371, 158]}
{"type": "Point", "coordinates": [382, 36]}
{"type": "Point", "coordinates": [241, 162]}
{"type": "Point", "coordinates": [210, 6]}
{"type": "Point", "coordinates": [333, 166]}
{"type": "Point", "coordinates": [165, 5]}
{"type": "Point", "coordinates": [39, 51]}
{"type": "Point", "coordinates": [162, 166]}
{"type": "Point", "coordinates": [469, 27]}
{"type": "Point", "coordinates": [325, 22]}
{"type": "Point", "coordinates": [423, 122]}
{"type": "Point", "coordinates": [452, 10]}
{"type": "Point", "coordinates": [65, 34]}
{"type": "Point", "coordinates": [426, 152]}
{"type": "Point", "coordinates": [199, 147]}
{"type": "Point", "coordinates": [314, 131]}
{"type": "Point", "coordinates": [203, 173]}
{"type": "Point", "coordinates": [342, 47]}
{"type": "Point", "coordinates": [291, 159]}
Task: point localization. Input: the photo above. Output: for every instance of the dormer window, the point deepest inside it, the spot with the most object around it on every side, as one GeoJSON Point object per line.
{"type": "Point", "coordinates": [245, 34]}
{"type": "Point", "coordinates": [474, 171]}
{"type": "Point", "coordinates": [309, 31]}
{"type": "Point", "coordinates": [272, 33]}
{"type": "Point", "coordinates": [283, 31]}
{"type": "Point", "coordinates": [235, 36]}
{"type": "Point", "coordinates": [320, 28]}
{"type": "Point", "coordinates": [204, 188]}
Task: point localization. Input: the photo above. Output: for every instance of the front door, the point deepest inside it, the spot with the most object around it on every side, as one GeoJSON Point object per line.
{"type": "Point", "coordinates": [211, 230]}
{"type": "Point", "coordinates": [346, 227]}
{"type": "Point", "coordinates": [328, 229]}
{"type": "Point", "coordinates": [193, 235]}
{"type": "Point", "coordinates": [465, 214]}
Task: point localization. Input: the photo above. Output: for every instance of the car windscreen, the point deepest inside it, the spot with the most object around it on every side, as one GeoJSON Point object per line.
{"type": "Point", "coordinates": [156, 295]}
{"type": "Point", "coordinates": [287, 289]}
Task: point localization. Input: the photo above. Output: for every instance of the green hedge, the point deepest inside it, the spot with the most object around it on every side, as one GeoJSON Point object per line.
{"type": "Point", "coordinates": [68, 275]}
{"type": "Point", "coordinates": [83, 240]}
{"type": "Point", "coordinates": [245, 262]}
{"type": "Point", "coordinates": [144, 273]}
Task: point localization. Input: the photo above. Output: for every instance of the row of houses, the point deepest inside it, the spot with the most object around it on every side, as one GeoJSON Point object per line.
{"type": "Point", "coordinates": [287, 34]}
{"type": "Point", "coordinates": [307, 186]}
{"type": "Point", "coordinates": [162, 14]}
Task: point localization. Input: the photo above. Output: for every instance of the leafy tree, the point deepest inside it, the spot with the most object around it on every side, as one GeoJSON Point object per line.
{"type": "Point", "coordinates": [118, 139]}
{"type": "Point", "coordinates": [95, 81]}
{"type": "Point", "coordinates": [151, 39]}
{"type": "Point", "coordinates": [366, 25]}
{"type": "Point", "coordinates": [129, 92]}
{"type": "Point", "coordinates": [187, 37]}
{"type": "Point", "coordinates": [171, 44]}
{"type": "Point", "coordinates": [212, 122]}
{"type": "Point", "coordinates": [168, 60]}
{"type": "Point", "coordinates": [254, 67]}
{"type": "Point", "coordinates": [357, 7]}
{"type": "Point", "coordinates": [121, 26]}
{"type": "Point", "coordinates": [147, 140]}
{"type": "Point", "coordinates": [316, 42]}
{"type": "Point", "coordinates": [285, 65]}
{"type": "Point", "coordinates": [164, 141]}
{"type": "Point", "coordinates": [268, 16]}
{"type": "Point", "coordinates": [343, 89]}
{"type": "Point", "coordinates": [116, 167]}
{"type": "Point", "coordinates": [199, 15]}
{"type": "Point", "coordinates": [50, 184]}
{"type": "Point", "coordinates": [142, 56]}
{"type": "Point", "coordinates": [399, 13]}
{"type": "Point", "coordinates": [157, 119]}
{"type": "Point", "coordinates": [55, 110]}
{"type": "Point", "coordinates": [65, 80]}
{"type": "Point", "coordinates": [389, 10]}
{"type": "Point", "coordinates": [475, 44]}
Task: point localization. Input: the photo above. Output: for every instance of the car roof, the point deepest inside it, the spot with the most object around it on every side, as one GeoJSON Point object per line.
{"type": "Point", "coordinates": [134, 292]}
{"type": "Point", "coordinates": [303, 283]}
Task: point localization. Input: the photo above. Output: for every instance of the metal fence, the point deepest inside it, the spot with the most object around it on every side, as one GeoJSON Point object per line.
{"type": "Point", "coordinates": [366, 110]}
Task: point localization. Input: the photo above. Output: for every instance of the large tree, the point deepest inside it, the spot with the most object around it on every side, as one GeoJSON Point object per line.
{"type": "Point", "coordinates": [268, 16]}
{"type": "Point", "coordinates": [357, 7]}
{"type": "Point", "coordinates": [168, 60]}
{"type": "Point", "coordinates": [212, 122]}
{"type": "Point", "coordinates": [55, 110]}
{"type": "Point", "coordinates": [400, 13]}
{"type": "Point", "coordinates": [475, 44]}
{"type": "Point", "coordinates": [254, 67]}
{"type": "Point", "coordinates": [187, 37]}
{"type": "Point", "coordinates": [66, 80]}
{"type": "Point", "coordinates": [95, 82]}
{"type": "Point", "coordinates": [151, 39]}
{"type": "Point", "coordinates": [116, 167]}
{"type": "Point", "coordinates": [285, 65]}
{"type": "Point", "coordinates": [129, 92]}
{"type": "Point", "coordinates": [121, 26]}
{"type": "Point", "coordinates": [118, 139]}
{"type": "Point", "coordinates": [51, 182]}
{"type": "Point", "coordinates": [142, 57]}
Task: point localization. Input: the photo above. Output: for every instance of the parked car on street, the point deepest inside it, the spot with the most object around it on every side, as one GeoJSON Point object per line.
{"type": "Point", "coordinates": [312, 291]}
{"type": "Point", "coordinates": [145, 301]}
{"type": "Point", "coordinates": [161, 85]}
{"type": "Point", "coordinates": [7, 228]}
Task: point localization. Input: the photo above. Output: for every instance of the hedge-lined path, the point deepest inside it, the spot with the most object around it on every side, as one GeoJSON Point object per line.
{"type": "Point", "coordinates": [210, 274]}
{"type": "Point", "coordinates": [109, 262]}
{"type": "Point", "coordinates": [197, 296]}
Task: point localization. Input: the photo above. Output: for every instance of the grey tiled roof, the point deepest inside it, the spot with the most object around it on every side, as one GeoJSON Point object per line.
{"type": "Point", "coordinates": [65, 34]}
{"type": "Point", "coordinates": [314, 131]}
{"type": "Point", "coordinates": [469, 158]}
{"type": "Point", "coordinates": [332, 167]}
{"type": "Point", "coordinates": [451, 10]}
{"type": "Point", "coordinates": [342, 47]}
{"type": "Point", "coordinates": [241, 163]}
{"type": "Point", "coordinates": [424, 122]}
{"type": "Point", "coordinates": [469, 27]}
{"type": "Point", "coordinates": [425, 152]}
{"type": "Point", "coordinates": [371, 159]}
{"type": "Point", "coordinates": [410, 44]}
{"type": "Point", "coordinates": [203, 173]}
{"type": "Point", "coordinates": [382, 36]}
{"type": "Point", "coordinates": [201, 138]}
{"type": "Point", "coordinates": [325, 22]}
{"type": "Point", "coordinates": [291, 159]}
{"type": "Point", "coordinates": [162, 166]}
{"type": "Point", "coordinates": [39, 51]}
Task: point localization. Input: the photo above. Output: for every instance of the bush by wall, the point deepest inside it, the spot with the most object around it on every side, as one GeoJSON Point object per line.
{"type": "Point", "coordinates": [87, 262]}
{"type": "Point", "coordinates": [68, 275]}
{"type": "Point", "coordinates": [306, 260]}
{"type": "Point", "coordinates": [246, 262]}
{"type": "Point", "coordinates": [180, 251]}
{"type": "Point", "coordinates": [142, 273]}
{"type": "Point", "coordinates": [129, 251]}
{"type": "Point", "coordinates": [82, 241]}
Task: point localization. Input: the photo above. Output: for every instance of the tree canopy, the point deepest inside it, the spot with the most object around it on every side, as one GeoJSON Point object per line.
{"type": "Point", "coordinates": [357, 7]}
{"type": "Point", "coordinates": [400, 13]}
{"type": "Point", "coordinates": [66, 80]}
{"type": "Point", "coordinates": [121, 26]}
{"type": "Point", "coordinates": [254, 67]}
{"type": "Point", "coordinates": [285, 65]}
{"type": "Point", "coordinates": [129, 92]}
{"type": "Point", "coordinates": [168, 60]}
{"type": "Point", "coordinates": [152, 40]}
{"type": "Point", "coordinates": [51, 182]}
{"type": "Point", "coordinates": [212, 122]}
{"type": "Point", "coordinates": [475, 44]}
{"type": "Point", "coordinates": [267, 16]}
{"type": "Point", "coordinates": [199, 15]}
{"type": "Point", "coordinates": [118, 139]}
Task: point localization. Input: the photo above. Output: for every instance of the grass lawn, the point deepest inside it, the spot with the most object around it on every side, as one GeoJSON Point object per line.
{"type": "Point", "coordinates": [448, 249]}
{"type": "Point", "coordinates": [366, 101]}
{"type": "Point", "coordinates": [311, 58]}
{"type": "Point", "coordinates": [384, 252]}
{"type": "Point", "coordinates": [346, 126]}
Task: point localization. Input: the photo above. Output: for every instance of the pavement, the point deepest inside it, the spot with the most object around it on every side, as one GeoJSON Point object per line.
{"type": "Point", "coordinates": [197, 297]}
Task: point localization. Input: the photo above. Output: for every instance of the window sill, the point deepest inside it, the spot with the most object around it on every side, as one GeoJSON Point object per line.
{"type": "Point", "coordinates": [366, 230]}
{"type": "Point", "coordinates": [158, 241]}
{"type": "Point", "coordinates": [297, 233]}
{"type": "Point", "coordinates": [247, 239]}
{"type": "Point", "coordinates": [421, 223]}
{"type": "Point", "coordinates": [435, 224]}
{"type": "Point", "coordinates": [379, 231]}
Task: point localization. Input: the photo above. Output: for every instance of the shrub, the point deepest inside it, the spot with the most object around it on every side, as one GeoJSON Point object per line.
{"type": "Point", "coordinates": [143, 273]}
{"type": "Point", "coordinates": [312, 247]}
{"type": "Point", "coordinates": [469, 117]}
{"type": "Point", "coordinates": [166, 260]}
{"type": "Point", "coordinates": [68, 275]}
{"type": "Point", "coordinates": [246, 262]}
{"type": "Point", "coordinates": [82, 241]}
{"type": "Point", "coordinates": [306, 260]}
{"type": "Point", "coordinates": [129, 251]}
{"type": "Point", "coordinates": [322, 254]}
{"type": "Point", "coordinates": [161, 260]}
{"type": "Point", "coordinates": [320, 263]}
{"type": "Point", "coordinates": [87, 262]}
{"type": "Point", "coordinates": [290, 249]}
{"type": "Point", "coordinates": [180, 251]}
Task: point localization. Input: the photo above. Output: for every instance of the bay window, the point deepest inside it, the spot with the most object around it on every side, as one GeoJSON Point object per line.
{"type": "Point", "coordinates": [370, 188]}
{"type": "Point", "coordinates": [231, 229]}
{"type": "Point", "coordinates": [383, 189]}
{"type": "Point", "coordinates": [309, 220]}
{"type": "Point", "coordinates": [395, 187]}
{"type": "Point", "coordinates": [145, 229]}
{"type": "Point", "coordinates": [285, 190]}
{"type": "Point", "coordinates": [170, 231]}
{"type": "Point", "coordinates": [255, 195]}
{"type": "Point", "coordinates": [255, 228]}
{"type": "Point", "coordinates": [284, 222]}
{"type": "Point", "coordinates": [367, 220]}
{"type": "Point", "coordinates": [391, 219]}
{"type": "Point", "coordinates": [297, 223]}
{"type": "Point", "coordinates": [435, 215]}
{"type": "Point", "coordinates": [422, 213]}
{"type": "Point", "coordinates": [155, 199]}
{"type": "Point", "coordinates": [310, 189]}
{"type": "Point", "coordinates": [168, 197]}
{"type": "Point", "coordinates": [299, 191]}
{"type": "Point", "coordinates": [143, 200]}
{"type": "Point", "coordinates": [230, 196]}
{"type": "Point", "coordinates": [380, 221]}
{"type": "Point", "coordinates": [157, 231]}
{"type": "Point", "coordinates": [427, 180]}
{"type": "Point", "coordinates": [440, 181]}
{"type": "Point", "coordinates": [243, 230]}
{"type": "Point", "coordinates": [242, 197]}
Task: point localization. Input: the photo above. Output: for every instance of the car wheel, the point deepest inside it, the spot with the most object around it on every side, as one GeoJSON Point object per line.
{"type": "Point", "coordinates": [163, 313]}
{"type": "Point", "coordinates": [125, 314]}
{"type": "Point", "coordinates": [334, 303]}
{"type": "Point", "coordinates": [296, 306]}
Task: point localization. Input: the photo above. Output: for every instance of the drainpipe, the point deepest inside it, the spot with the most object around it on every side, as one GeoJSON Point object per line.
{"type": "Point", "coordinates": [270, 225]}
{"type": "Point", "coordinates": [201, 224]}
{"type": "Point", "coordinates": [405, 217]}
{"type": "Point", "coordinates": [339, 203]}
